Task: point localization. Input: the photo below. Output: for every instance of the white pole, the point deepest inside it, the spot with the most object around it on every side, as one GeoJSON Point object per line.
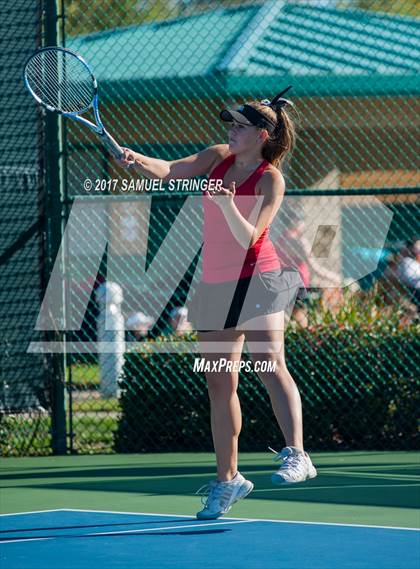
{"type": "Point", "coordinates": [111, 336]}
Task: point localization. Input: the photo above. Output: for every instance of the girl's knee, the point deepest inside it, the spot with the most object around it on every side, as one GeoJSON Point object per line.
{"type": "Point", "coordinates": [221, 385]}
{"type": "Point", "coordinates": [269, 349]}
{"type": "Point", "coordinates": [272, 356]}
{"type": "Point", "coordinates": [267, 352]}
{"type": "Point", "coordinates": [272, 370]}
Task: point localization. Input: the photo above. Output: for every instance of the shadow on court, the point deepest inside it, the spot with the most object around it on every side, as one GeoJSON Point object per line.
{"type": "Point", "coordinates": [152, 471]}
{"type": "Point", "coordinates": [90, 526]}
{"type": "Point", "coordinates": [132, 534]}
{"type": "Point", "coordinates": [393, 490]}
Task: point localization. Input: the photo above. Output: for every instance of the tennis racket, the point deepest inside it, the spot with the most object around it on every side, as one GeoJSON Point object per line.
{"type": "Point", "coordinates": [63, 82]}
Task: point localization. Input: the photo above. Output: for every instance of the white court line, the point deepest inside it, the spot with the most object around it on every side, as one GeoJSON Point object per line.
{"type": "Point", "coordinates": [239, 519]}
{"type": "Point", "coordinates": [170, 527]}
{"type": "Point", "coordinates": [34, 512]}
{"type": "Point", "coordinates": [250, 519]}
{"type": "Point", "coordinates": [369, 468]}
{"type": "Point", "coordinates": [26, 513]}
{"type": "Point", "coordinates": [370, 474]}
{"type": "Point", "coordinates": [17, 540]}
{"type": "Point", "coordinates": [415, 485]}
{"type": "Point", "coordinates": [29, 539]}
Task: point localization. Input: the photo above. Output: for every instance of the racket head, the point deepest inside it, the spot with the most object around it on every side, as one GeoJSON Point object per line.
{"type": "Point", "coordinates": [60, 80]}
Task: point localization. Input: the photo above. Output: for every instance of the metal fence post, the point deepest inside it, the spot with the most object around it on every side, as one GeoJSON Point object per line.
{"type": "Point", "coordinates": [55, 229]}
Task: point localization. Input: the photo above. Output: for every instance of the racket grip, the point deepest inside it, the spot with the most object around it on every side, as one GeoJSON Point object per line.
{"type": "Point", "coordinates": [111, 144]}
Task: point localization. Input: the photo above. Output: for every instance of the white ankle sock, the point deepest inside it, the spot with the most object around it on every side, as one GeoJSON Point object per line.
{"type": "Point", "coordinates": [231, 480]}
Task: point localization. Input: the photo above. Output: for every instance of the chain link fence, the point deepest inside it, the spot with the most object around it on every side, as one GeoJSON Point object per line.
{"type": "Point", "coordinates": [165, 70]}
{"type": "Point", "coordinates": [25, 379]}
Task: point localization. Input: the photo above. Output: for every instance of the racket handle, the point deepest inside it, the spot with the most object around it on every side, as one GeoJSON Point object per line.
{"type": "Point", "coordinates": [111, 144]}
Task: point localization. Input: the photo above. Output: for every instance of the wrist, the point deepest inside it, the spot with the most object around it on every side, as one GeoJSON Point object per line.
{"type": "Point", "coordinates": [227, 204]}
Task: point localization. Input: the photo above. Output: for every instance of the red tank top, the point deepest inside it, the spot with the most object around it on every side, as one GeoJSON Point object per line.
{"type": "Point", "coordinates": [224, 259]}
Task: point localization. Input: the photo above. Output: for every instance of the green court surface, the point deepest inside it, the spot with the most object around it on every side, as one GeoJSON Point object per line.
{"type": "Point", "coordinates": [373, 488]}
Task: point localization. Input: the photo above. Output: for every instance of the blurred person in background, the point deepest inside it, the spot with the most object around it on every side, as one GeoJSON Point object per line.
{"type": "Point", "coordinates": [397, 285]}
{"type": "Point", "coordinates": [178, 321]}
{"type": "Point", "coordinates": [408, 269]}
{"type": "Point", "coordinates": [294, 250]}
{"type": "Point", "coordinates": [139, 324]}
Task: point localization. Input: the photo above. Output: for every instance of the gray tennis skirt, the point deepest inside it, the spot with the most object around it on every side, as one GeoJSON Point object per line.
{"type": "Point", "coordinates": [216, 306]}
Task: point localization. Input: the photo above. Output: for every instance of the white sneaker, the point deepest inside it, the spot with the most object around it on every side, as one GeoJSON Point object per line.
{"type": "Point", "coordinates": [222, 495]}
{"type": "Point", "coordinates": [296, 466]}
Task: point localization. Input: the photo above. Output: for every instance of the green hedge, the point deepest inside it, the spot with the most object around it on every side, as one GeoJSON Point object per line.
{"type": "Point", "coordinates": [359, 390]}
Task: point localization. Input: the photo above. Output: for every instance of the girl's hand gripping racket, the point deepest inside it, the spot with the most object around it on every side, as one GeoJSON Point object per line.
{"type": "Point", "coordinates": [63, 82]}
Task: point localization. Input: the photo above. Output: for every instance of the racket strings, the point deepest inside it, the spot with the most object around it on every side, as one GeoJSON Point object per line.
{"type": "Point", "coordinates": [59, 94]}
{"type": "Point", "coordinates": [59, 79]}
{"type": "Point", "coordinates": [70, 80]}
{"type": "Point", "coordinates": [45, 88]}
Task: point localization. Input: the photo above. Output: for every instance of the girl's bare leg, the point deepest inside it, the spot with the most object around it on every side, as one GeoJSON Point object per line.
{"type": "Point", "coordinates": [226, 417]}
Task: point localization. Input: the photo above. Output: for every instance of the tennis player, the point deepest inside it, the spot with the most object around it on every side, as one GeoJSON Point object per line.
{"type": "Point", "coordinates": [244, 293]}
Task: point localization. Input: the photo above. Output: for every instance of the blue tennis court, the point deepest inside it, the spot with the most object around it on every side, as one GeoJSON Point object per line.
{"type": "Point", "coordinates": [99, 539]}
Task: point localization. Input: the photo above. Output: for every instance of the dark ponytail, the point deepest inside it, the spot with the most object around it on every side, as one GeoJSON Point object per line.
{"type": "Point", "coordinates": [282, 141]}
